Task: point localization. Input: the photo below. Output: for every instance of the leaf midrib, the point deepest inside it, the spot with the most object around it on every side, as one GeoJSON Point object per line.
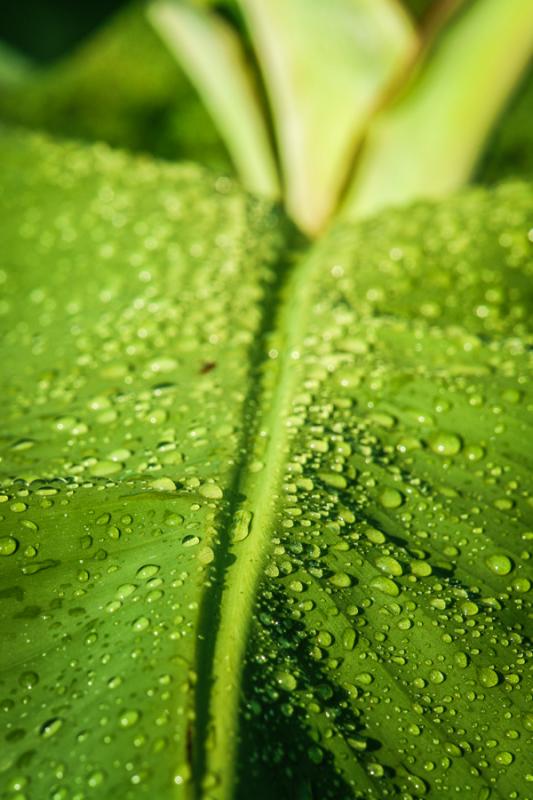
{"type": "Point", "coordinates": [229, 600]}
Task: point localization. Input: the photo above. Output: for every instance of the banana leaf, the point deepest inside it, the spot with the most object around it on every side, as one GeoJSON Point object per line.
{"type": "Point", "coordinates": [266, 511]}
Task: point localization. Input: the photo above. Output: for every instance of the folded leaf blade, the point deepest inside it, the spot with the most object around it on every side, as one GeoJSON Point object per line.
{"type": "Point", "coordinates": [325, 67]}
{"type": "Point", "coordinates": [427, 144]}
{"type": "Point", "coordinates": [211, 53]}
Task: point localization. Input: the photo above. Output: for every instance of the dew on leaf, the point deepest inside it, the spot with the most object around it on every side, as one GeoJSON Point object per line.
{"type": "Point", "coordinates": [461, 659]}
{"type": "Point", "coordinates": [349, 638]}
{"type": "Point", "coordinates": [243, 521]}
{"type": "Point", "coordinates": [389, 565]}
{"type": "Point", "coordinates": [147, 571]}
{"type": "Point", "coordinates": [340, 579]}
{"type": "Point", "coordinates": [391, 498]}
{"type": "Point", "coordinates": [28, 679]}
{"type": "Point", "coordinates": [521, 585]}
{"type": "Point", "coordinates": [488, 677]}
{"type": "Point", "coordinates": [125, 590]}
{"type": "Point", "coordinates": [211, 491]}
{"type": "Point", "coordinates": [375, 536]}
{"type": "Point", "coordinates": [469, 608]}
{"type": "Point", "coordinates": [333, 479]}
{"type": "Point", "coordinates": [163, 485]}
{"type": "Point", "coordinates": [499, 564]}
{"type": "Point", "coordinates": [385, 585]}
{"type": "Point", "coordinates": [504, 758]}
{"type": "Point", "coordinates": [51, 727]}
{"type": "Point", "coordinates": [445, 444]}
{"type": "Point", "coordinates": [286, 681]}
{"type": "Point", "coordinates": [101, 469]}
{"type": "Point", "coordinates": [8, 545]}
{"type": "Point", "coordinates": [421, 569]}
{"type": "Point", "coordinates": [173, 520]}
{"type": "Point", "coordinates": [141, 624]}
{"type": "Point", "coordinates": [206, 555]}
{"type": "Point", "coordinates": [128, 718]}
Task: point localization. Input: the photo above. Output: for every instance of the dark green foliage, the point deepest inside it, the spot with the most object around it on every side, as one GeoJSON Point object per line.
{"type": "Point", "coordinates": [143, 100]}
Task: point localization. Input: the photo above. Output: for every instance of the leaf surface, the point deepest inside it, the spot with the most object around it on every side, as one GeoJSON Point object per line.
{"type": "Point", "coordinates": [333, 596]}
{"type": "Point", "coordinates": [130, 319]}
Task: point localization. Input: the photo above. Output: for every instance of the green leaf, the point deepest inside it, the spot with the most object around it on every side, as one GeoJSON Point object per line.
{"type": "Point", "coordinates": [123, 87]}
{"type": "Point", "coordinates": [213, 56]}
{"type": "Point", "coordinates": [265, 531]}
{"type": "Point", "coordinates": [14, 67]}
{"type": "Point", "coordinates": [510, 151]}
{"type": "Point", "coordinates": [325, 66]}
{"type": "Point", "coordinates": [427, 143]}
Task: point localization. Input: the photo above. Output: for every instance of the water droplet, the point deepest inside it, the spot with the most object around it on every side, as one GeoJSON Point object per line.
{"type": "Point", "coordinates": [341, 579]}
{"type": "Point", "coordinates": [349, 638]}
{"type": "Point", "coordinates": [286, 681]}
{"type": "Point", "coordinates": [521, 585]}
{"type": "Point", "coordinates": [333, 479]}
{"type": "Point", "coordinates": [469, 608]}
{"type": "Point", "coordinates": [147, 571]}
{"type": "Point", "coordinates": [125, 590]}
{"type": "Point", "coordinates": [163, 485]}
{"type": "Point", "coordinates": [385, 585]}
{"type": "Point", "coordinates": [96, 779]}
{"type": "Point", "coordinates": [8, 545]}
{"type": "Point", "coordinates": [391, 498]}
{"type": "Point", "coordinates": [445, 444]}
{"type": "Point", "coordinates": [128, 718]}
{"type": "Point", "coordinates": [141, 624]}
{"type": "Point", "coordinates": [461, 659]}
{"type": "Point", "coordinates": [243, 522]}
{"type": "Point", "coordinates": [211, 491]}
{"type": "Point", "coordinates": [389, 565]}
{"type": "Point", "coordinates": [504, 758]}
{"type": "Point", "coordinates": [51, 727]}
{"type": "Point", "coordinates": [206, 555]}
{"type": "Point", "coordinates": [105, 467]}
{"type": "Point", "coordinates": [28, 679]}
{"type": "Point", "coordinates": [173, 520]}
{"type": "Point", "coordinates": [499, 564]}
{"type": "Point", "coordinates": [488, 677]}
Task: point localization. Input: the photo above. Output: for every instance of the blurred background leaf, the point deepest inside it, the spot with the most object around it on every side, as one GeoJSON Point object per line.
{"type": "Point", "coordinates": [100, 72]}
{"type": "Point", "coordinates": [120, 85]}
{"type": "Point", "coordinates": [46, 29]}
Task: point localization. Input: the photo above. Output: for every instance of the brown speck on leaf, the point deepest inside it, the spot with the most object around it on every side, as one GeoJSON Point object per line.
{"type": "Point", "coordinates": [207, 367]}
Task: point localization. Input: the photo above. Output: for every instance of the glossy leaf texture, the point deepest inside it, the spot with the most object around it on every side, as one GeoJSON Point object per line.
{"type": "Point", "coordinates": [130, 316]}
{"type": "Point", "coordinates": [266, 521]}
